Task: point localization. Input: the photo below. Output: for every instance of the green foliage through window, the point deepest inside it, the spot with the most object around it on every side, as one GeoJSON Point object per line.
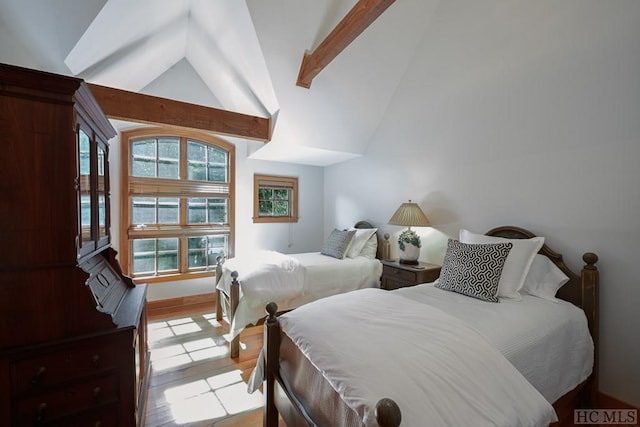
{"type": "Point", "coordinates": [274, 202]}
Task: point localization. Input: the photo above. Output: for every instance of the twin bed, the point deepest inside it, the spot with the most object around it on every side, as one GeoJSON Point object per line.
{"type": "Point", "coordinates": [294, 280]}
{"type": "Point", "coordinates": [429, 356]}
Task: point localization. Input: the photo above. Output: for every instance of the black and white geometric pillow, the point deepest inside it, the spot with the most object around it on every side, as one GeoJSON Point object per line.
{"type": "Point", "coordinates": [337, 243]}
{"type": "Point", "coordinates": [473, 269]}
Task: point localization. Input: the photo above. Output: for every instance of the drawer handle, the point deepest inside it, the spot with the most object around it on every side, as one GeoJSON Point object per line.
{"type": "Point", "coordinates": [95, 359]}
{"type": "Point", "coordinates": [97, 395]}
{"type": "Point", "coordinates": [38, 377]}
{"type": "Point", "coordinates": [41, 412]}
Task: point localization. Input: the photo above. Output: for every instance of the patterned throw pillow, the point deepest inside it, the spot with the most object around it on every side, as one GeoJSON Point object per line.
{"type": "Point", "coordinates": [337, 243]}
{"type": "Point", "coordinates": [473, 269]}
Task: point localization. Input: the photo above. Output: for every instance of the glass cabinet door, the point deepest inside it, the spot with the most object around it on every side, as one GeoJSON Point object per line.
{"type": "Point", "coordinates": [86, 239]}
{"type": "Point", "coordinates": [93, 191]}
{"type": "Point", "coordinates": [102, 195]}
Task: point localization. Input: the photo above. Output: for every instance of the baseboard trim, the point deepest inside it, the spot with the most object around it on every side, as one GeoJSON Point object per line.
{"type": "Point", "coordinates": [191, 302]}
{"type": "Point", "coordinates": [609, 402]}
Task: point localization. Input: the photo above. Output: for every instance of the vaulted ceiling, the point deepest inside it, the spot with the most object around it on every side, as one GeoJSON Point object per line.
{"type": "Point", "coordinates": [241, 56]}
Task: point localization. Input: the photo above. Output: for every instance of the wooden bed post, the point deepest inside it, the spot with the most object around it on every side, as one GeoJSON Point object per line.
{"type": "Point", "coordinates": [271, 346]}
{"type": "Point", "coordinates": [234, 299]}
{"type": "Point", "coordinates": [388, 413]}
{"type": "Point", "coordinates": [219, 262]}
{"type": "Point", "coordinates": [590, 304]}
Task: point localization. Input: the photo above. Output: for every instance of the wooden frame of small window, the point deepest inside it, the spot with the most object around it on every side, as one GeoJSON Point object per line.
{"type": "Point", "coordinates": [274, 182]}
{"type": "Point", "coordinates": [182, 189]}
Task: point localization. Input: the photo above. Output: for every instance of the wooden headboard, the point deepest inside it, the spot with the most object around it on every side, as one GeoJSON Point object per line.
{"type": "Point", "coordinates": [363, 224]}
{"type": "Point", "coordinates": [581, 289]}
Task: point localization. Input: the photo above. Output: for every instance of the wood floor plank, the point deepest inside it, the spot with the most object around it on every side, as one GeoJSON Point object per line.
{"type": "Point", "coordinates": [193, 380]}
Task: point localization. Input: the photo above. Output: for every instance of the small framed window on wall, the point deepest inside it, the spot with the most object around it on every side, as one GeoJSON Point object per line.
{"type": "Point", "coordinates": [275, 198]}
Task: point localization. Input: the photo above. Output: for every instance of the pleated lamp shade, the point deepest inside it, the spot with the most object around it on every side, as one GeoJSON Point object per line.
{"type": "Point", "coordinates": [409, 214]}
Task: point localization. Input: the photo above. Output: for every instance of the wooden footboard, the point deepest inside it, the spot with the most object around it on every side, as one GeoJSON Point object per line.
{"type": "Point", "coordinates": [230, 302]}
{"type": "Point", "coordinates": [279, 401]}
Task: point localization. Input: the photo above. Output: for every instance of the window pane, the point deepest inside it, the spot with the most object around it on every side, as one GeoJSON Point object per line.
{"type": "Point", "coordinates": [217, 173]}
{"type": "Point", "coordinates": [197, 251]}
{"type": "Point", "coordinates": [101, 161]}
{"type": "Point", "coordinates": [265, 193]}
{"type": "Point", "coordinates": [217, 210]}
{"type": "Point", "coordinates": [216, 164]}
{"type": "Point", "coordinates": [197, 211]}
{"type": "Point", "coordinates": [151, 256]}
{"type": "Point", "coordinates": [168, 210]}
{"type": "Point", "coordinates": [102, 210]}
{"type": "Point", "coordinates": [85, 165]}
{"type": "Point", "coordinates": [169, 158]}
{"type": "Point", "coordinates": [144, 254]}
{"type": "Point", "coordinates": [281, 208]}
{"type": "Point", "coordinates": [266, 208]}
{"type": "Point", "coordinates": [281, 194]}
{"type": "Point", "coordinates": [196, 161]}
{"type": "Point", "coordinates": [85, 210]}
{"type": "Point", "coordinates": [203, 251]}
{"type": "Point", "coordinates": [143, 158]}
{"type": "Point", "coordinates": [143, 210]}
{"type": "Point", "coordinates": [144, 148]}
{"type": "Point", "coordinates": [167, 245]}
{"type": "Point", "coordinates": [216, 246]}
{"type": "Point", "coordinates": [167, 261]}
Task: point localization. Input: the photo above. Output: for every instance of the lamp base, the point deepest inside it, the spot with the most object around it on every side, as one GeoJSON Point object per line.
{"type": "Point", "coordinates": [409, 261]}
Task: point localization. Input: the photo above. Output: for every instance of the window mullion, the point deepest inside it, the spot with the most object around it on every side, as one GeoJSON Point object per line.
{"type": "Point", "coordinates": [183, 158]}
{"type": "Point", "coordinates": [183, 254]}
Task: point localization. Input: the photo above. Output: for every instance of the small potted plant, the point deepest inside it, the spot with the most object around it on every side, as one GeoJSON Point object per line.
{"type": "Point", "coordinates": [409, 245]}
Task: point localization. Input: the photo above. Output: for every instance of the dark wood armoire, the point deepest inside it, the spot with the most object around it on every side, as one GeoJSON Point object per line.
{"type": "Point", "coordinates": [73, 346]}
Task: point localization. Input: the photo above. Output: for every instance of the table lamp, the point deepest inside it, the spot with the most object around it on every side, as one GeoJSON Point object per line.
{"type": "Point", "coordinates": [409, 214]}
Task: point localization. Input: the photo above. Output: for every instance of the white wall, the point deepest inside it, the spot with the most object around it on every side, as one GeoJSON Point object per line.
{"type": "Point", "coordinates": [528, 114]}
{"type": "Point", "coordinates": [304, 236]}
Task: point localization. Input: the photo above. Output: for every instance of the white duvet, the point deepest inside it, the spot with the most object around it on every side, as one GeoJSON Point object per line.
{"type": "Point", "coordinates": [439, 370]}
{"type": "Point", "coordinates": [547, 342]}
{"type": "Point", "coordinates": [292, 280]}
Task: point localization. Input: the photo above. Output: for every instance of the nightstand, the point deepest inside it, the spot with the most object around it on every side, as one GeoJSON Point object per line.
{"type": "Point", "coordinates": [396, 275]}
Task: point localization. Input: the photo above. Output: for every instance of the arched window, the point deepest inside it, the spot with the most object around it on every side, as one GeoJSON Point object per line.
{"type": "Point", "coordinates": [177, 205]}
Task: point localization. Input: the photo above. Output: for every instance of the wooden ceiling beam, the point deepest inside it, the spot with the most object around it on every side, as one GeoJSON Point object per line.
{"type": "Point", "coordinates": [136, 107]}
{"type": "Point", "coordinates": [352, 25]}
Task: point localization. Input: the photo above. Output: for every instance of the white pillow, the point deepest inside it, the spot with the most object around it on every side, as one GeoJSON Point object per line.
{"type": "Point", "coordinates": [370, 249]}
{"type": "Point", "coordinates": [359, 240]}
{"type": "Point", "coordinates": [518, 262]}
{"type": "Point", "coordinates": [544, 279]}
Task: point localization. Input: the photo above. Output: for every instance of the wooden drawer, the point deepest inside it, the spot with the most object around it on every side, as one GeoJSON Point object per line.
{"type": "Point", "coordinates": [390, 284]}
{"type": "Point", "coordinates": [54, 404]}
{"type": "Point", "coordinates": [75, 362]}
{"type": "Point", "coordinates": [397, 274]}
{"type": "Point", "coordinates": [106, 416]}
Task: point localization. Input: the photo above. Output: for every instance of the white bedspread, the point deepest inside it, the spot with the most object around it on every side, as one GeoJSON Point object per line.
{"type": "Point", "coordinates": [439, 370]}
{"type": "Point", "coordinates": [549, 343]}
{"type": "Point", "coordinates": [293, 280]}
{"type": "Point", "coordinates": [266, 276]}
